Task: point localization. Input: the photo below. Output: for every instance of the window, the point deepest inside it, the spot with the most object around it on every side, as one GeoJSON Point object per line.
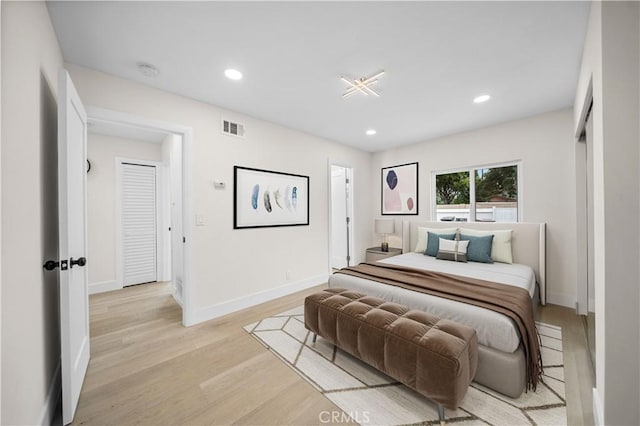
{"type": "Point", "coordinates": [479, 194]}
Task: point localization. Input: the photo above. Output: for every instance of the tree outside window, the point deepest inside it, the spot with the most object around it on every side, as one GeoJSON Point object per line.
{"type": "Point", "coordinates": [490, 196]}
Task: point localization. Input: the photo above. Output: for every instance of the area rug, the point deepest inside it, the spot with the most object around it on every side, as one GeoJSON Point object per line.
{"type": "Point", "coordinates": [367, 396]}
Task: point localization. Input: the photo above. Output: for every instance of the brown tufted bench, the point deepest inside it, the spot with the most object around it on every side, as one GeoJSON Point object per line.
{"type": "Point", "coordinates": [436, 357]}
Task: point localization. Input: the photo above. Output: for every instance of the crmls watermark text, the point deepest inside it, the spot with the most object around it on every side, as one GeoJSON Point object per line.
{"type": "Point", "coordinates": [361, 417]}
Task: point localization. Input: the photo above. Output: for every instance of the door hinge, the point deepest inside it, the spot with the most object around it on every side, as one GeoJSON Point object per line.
{"type": "Point", "coordinates": [348, 258]}
{"type": "Point", "coordinates": [346, 180]}
{"type": "Point", "coordinates": [169, 229]}
{"type": "Point", "coordinates": [348, 220]}
{"type": "Point", "coordinates": [184, 239]}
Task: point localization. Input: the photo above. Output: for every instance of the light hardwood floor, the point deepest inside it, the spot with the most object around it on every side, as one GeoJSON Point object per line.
{"type": "Point", "coordinates": [578, 372]}
{"type": "Point", "coordinates": [147, 369]}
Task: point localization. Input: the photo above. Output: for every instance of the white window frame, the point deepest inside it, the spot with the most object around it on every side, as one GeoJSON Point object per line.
{"type": "Point", "coordinates": [472, 187]}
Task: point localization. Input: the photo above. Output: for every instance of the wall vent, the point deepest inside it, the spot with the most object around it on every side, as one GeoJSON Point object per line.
{"type": "Point", "coordinates": [232, 129]}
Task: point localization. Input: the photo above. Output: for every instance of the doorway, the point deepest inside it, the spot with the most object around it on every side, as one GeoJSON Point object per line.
{"type": "Point", "coordinates": [340, 216]}
{"type": "Point", "coordinates": [591, 308]}
{"type": "Point", "coordinates": [170, 171]}
{"type": "Point", "coordinates": [585, 230]}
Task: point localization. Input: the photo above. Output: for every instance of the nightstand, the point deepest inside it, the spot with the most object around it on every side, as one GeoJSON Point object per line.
{"type": "Point", "coordinates": [374, 253]}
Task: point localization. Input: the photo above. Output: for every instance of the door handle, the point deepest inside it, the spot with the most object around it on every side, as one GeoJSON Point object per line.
{"type": "Point", "coordinates": [50, 265]}
{"type": "Point", "coordinates": [81, 261]}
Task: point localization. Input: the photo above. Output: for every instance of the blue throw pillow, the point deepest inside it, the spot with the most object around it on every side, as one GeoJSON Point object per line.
{"type": "Point", "coordinates": [479, 249]}
{"type": "Point", "coordinates": [433, 242]}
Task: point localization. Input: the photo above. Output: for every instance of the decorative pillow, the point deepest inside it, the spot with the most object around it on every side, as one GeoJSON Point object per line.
{"type": "Point", "coordinates": [421, 244]}
{"type": "Point", "coordinates": [501, 246]}
{"type": "Point", "coordinates": [479, 248]}
{"type": "Point", "coordinates": [433, 242]}
{"type": "Point", "coordinates": [453, 250]}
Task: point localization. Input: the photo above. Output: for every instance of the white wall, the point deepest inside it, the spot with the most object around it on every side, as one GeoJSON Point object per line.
{"type": "Point", "coordinates": [544, 145]}
{"type": "Point", "coordinates": [30, 332]}
{"type": "Point", "coordinates": [232, 264]}
{"type": "Point", "coordinates": [620, 39]}
{"type": "Point", "coordinates": [101, 200]}
{"type": "Point", "coordinates": [610, 61]}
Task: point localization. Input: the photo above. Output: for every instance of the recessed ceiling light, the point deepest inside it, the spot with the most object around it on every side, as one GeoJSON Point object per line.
{"type": "Point", "coordinates": [233, 74]}
{"type": "Point", "coordinates": [482, 98]}
{"type": "Point", "coordinates": [371, 132]}
{"type": "Point", "coordinates": [148, 70]}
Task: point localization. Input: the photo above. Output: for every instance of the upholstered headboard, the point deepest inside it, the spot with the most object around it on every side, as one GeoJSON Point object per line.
{"type": "Point", "coordinates": [528, 243]}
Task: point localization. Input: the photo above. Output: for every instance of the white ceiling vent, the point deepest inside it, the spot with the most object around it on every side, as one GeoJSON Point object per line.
{"type": "Point", "coordinates": [232, 129]}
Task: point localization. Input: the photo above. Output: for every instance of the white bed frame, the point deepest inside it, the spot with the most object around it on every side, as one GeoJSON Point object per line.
{"type": "Point", "coordinates": [528, 243]}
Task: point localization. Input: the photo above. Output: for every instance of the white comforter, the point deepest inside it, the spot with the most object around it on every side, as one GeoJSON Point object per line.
{"type": "Point", "coordinates": [494, 330]}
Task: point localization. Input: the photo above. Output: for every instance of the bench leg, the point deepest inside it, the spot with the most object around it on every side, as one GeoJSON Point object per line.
{"type": "Point", "coordinates": [315, 336]}
{"type": "Point", "coordinates": [441, 414]}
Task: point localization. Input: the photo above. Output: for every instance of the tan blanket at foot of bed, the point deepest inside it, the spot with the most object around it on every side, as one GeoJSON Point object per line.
{"type": "Point", "coordinates": [511, 301]}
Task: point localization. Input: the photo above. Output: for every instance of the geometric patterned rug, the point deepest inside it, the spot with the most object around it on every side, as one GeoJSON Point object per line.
{"type": "Point", "coordinates": [370, 397]}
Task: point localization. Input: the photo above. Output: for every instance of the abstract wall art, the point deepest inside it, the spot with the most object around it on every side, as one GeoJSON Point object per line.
{"type": "Point", "coordinates": [400, 189]}
{"type": "Point", "coordinates": [264, 198]}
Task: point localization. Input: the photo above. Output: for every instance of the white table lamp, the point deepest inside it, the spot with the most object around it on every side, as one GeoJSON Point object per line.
{"type": "Point", "coordinates": [384, 227]}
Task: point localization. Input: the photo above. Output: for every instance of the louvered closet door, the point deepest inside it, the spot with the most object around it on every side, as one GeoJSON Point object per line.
{"type": "Point", "coordinates": [139, 246]}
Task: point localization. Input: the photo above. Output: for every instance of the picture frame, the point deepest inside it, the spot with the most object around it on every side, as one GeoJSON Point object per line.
{"type": "Point", "coordinates": [399, 189]}
{"type": "Point", "coordinates": [266, 198]}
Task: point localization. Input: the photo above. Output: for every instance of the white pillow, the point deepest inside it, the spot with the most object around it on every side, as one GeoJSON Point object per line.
{"type": "Point", "coordinates": [501, 246]}
{"type": "Point", "coordinates": [421, 245]}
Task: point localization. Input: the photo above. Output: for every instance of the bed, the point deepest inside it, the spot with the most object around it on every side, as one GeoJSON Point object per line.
{"type": "Point", "coordinates": [501, 359]}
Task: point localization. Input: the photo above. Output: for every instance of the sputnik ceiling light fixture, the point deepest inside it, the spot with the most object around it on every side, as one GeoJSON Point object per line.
{"type": "Point", "coordinates": [362, 85]}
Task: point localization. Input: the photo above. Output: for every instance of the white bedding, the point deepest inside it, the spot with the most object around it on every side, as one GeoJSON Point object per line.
{"type": "Point", "coordinates": [494, 330]}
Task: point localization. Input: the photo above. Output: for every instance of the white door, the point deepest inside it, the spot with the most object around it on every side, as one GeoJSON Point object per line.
{"type": "Point", "coordinates": [72, 200]}
{"type": "Point", "coordinates": [139, 227]}
{"type": "Point", "coordinates": [177, 234]}
{"type": "Point", "coordinates": [339, 217]}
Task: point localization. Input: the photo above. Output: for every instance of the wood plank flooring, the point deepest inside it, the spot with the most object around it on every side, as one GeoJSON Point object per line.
{"type": "Point", "coordinates": [147, 369]}
{"type": "Point", "coordinates": [578, 372]}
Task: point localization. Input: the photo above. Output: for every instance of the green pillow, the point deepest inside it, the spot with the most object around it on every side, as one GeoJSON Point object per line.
{"type": "Point", "coordinates": [479, 249]}
{"type": "Point", "coordinates": [433, 242]}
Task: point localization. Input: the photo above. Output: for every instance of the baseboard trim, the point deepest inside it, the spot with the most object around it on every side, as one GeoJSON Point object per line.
{"type": "Point", "coordinates": [104, 286]}
{"type": "Point", "coordinates": [561, 299]}
{"type": "Point", "coordinates": [597, 411]}
{"type": "Point", "coordinates": [53, 396]}
{"type": "Point", "coordinates": [224, 308]}
{"type": "Point", "coordinates": [177, 298]}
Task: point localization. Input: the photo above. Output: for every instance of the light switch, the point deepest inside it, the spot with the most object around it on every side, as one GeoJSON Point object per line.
{"type": "Point", "coordinates": [199, 220]}
{"type": "Point", "coordinates": [218, 185]}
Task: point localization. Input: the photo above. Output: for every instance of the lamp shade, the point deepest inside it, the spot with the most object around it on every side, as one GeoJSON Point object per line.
{"type": "Point", "coordinates": [384, 226]}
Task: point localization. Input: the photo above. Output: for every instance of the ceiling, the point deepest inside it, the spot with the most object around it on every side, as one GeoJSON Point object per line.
{"type": "Point", "coordinates": [437, 56]}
